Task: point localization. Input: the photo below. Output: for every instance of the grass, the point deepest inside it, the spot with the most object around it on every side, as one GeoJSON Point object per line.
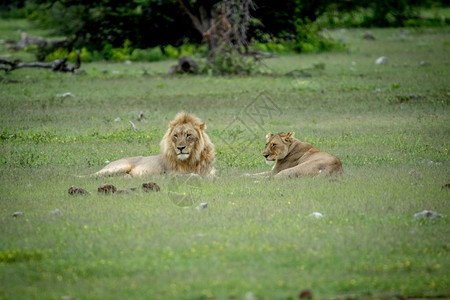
{"type": "Point", "coordinates": [389, 124]}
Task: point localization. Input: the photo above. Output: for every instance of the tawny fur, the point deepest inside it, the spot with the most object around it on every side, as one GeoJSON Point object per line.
{"type": "Point", "coordinates": [294, 158]}
{"type": "Point", "coordinates": [185, 132]}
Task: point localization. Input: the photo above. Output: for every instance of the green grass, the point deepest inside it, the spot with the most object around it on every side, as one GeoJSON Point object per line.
{"type": "Point", "coordinates": [389, 124]}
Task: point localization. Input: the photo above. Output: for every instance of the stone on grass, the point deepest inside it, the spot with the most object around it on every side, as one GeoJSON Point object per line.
{"type": "Point", "coordinates": [381, 60]}
{"type": "Point", "coordinates": [66, 95]}
{"type": "Point", "coordinates": [305, 294]}
{"type": "Point", "coordinates": [107, 189]}
{"type": "Point", "coordinates": [202, 205]}
{"type": "Point", "coordinates": [427, 214]}
{"type": "Point", "coordinates": [73, 190]}
{"type": "Point", "coordinates": [315, 215]}
{"type": "Point", "coordinates": [368, 36]}
{"type": "Point", "coordinates": [150, 186]}
{"type": "Point", "coordinates": [18, 214]}
{"type": "Point", "coordinates": [249, 296]}
{"type": "Point", "coordinates": [55, 212]}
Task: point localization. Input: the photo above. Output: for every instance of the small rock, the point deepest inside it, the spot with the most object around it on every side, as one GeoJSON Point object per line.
{"type": "Point", "coordinates": [107, 189]}
{"type": "Point", "coordinates": [249, 296]}
{"type": "Point", "coordinates": [315, 215]}
{"type": "Point", "coordinates": [141, 116]}
{"type": "Point", "coordinates": [18, 214]}
{"type": "Point", "coordinates": [150, 186]}
{"type": "Point", "coordinates": [56, 212]}
{"type": "Point", "coordinates": [73, 190]}
{"type": "Point", "coordinates": [117, 120]}
{"type": "Point", "coordinates": [381, 60]}
{"type": "Point", "coordinates": [202, 206]}
{"type": "Point", "coordinates": [368, 36]}
{"type": "Point", "coordinates": [305, 294]}
{"type": "Point", "coordinates": [424, 63]}
{"type": "Point", "coordinates": [127, 62]}
{"type": "Point", "coordinates": [427, 214]}
{"type": "Point", "coordinates": [67, 298]}
{"type": "Point", "coordinates": [66, 95]}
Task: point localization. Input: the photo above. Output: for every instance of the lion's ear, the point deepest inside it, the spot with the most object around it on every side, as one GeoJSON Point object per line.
{"type": "Point", "coordinates": [202, 126]}
{"type": "Point", "coordinates": [268, 136]}
{"type": "Point", "coordinates": [289, 136]}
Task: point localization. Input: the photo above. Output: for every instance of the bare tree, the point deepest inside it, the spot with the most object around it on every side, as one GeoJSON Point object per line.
{"type": "Point", "coordinates": [222, 24]}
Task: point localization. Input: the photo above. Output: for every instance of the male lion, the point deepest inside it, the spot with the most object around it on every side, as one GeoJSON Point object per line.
{"type": "Point", "coordinates": [185, 149]}
{"type": "Point", "coordinates": [296, 159]}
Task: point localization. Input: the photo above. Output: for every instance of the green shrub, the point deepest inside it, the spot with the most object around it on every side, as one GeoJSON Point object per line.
{"type": "Point", "coordinates": [171, 52]}
{"type": "Point", "coordinates": [310, 39]}
{"type": "Point", "coordinates": [122, 54]}
{"type": "Point", "coordinates": [150, 54]}
{"type": "Point", "coordinates": [176, 52]}
{"type": "Point", "coordinates": [230, 63]}
{"type": "Point", "coordinates": [275, 46]}
{"type": "Point", "coordinates": [57, 54]}
{"type": "Point", "coordinates": [85, 55]}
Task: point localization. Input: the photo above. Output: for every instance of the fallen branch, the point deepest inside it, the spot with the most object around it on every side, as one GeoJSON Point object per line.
{"type": "Point", "coordinates": [58, 65]}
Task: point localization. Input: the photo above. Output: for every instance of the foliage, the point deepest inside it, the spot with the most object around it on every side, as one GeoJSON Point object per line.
{"type": "Point", "coordinates": [381, 13]}
{"type": "Point", "coordinates": [121, 30]}
{"type": "Point", "coordinates": [310, 39]}
{"type": "Point", "coordinates": [85, 55]}
{"type": "Point", "coordinates": [150, 54]}
{"type": "Point", "coordinates": [230, 62]}
{"type": "Point", "coordinates": [96, 24]}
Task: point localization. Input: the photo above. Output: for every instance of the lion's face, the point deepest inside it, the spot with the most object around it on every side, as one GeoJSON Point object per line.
{"type": "Point", "coordinates": [277, 146]}
{"type": "Point", "coordinates": [184, 139]}
{"type": "Point", "coordinates": [186, 148]}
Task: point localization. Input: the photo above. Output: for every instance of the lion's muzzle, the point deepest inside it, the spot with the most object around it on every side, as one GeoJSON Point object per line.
{"type": "Point", "coordinates": [182, 155]}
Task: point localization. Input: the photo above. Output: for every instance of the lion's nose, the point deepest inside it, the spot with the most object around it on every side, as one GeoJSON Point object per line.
{"type": "Point", "coordinates": [266, 155]}
{"type": "Point", "coordinates": [181, 148]}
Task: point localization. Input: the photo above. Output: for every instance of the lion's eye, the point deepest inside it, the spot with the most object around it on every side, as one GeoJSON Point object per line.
{"type": "Point", "coordinates": [188, 135]}
{"type": "Point", "coordinates": [273, 145]}
{"type": "Point", "coordinates": [175, 136]}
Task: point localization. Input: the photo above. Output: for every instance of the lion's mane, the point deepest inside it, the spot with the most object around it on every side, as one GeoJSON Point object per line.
{"type": "Point", "coordinates": [202, 156]}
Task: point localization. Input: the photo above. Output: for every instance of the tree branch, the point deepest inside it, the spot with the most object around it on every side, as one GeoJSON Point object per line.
{"type": "Point", "coordinates": [58, 65]}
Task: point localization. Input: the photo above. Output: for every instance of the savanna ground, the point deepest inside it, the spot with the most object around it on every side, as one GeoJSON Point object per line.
{"type": "Point", "coordinates": [389, 124]}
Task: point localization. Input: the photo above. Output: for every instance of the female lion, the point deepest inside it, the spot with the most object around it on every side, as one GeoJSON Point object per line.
{"type": "Point", "coordinates": [294, 158]}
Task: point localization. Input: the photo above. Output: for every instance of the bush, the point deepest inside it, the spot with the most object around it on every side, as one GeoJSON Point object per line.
{"type": "Point", "coordinates": [85, 55]}
{"type": "Point", "coordinates": [310, 39]}
{"type": "Point", "coordinates": [150, 54]}
{"type": "Point", "coordinates": [275, 46]}
{"type": "Point", "coordinates": [230, 63]}
{"type": "Point", "coordinates": [119, 54]}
